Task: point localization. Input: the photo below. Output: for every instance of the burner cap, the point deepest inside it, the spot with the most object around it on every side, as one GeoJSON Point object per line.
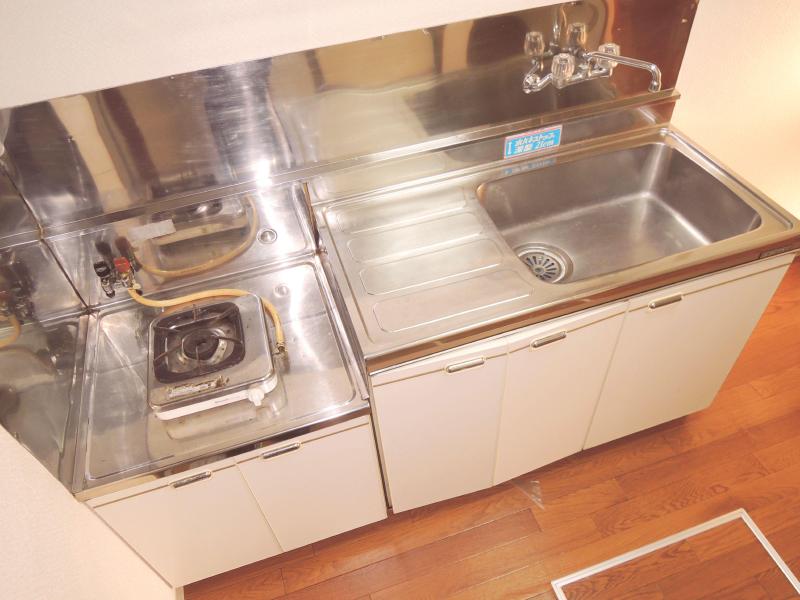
{"type": "Point", "coordinates": [200, 344]}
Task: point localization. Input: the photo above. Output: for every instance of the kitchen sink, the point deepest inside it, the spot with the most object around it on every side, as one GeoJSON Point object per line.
{"type": "Point", "coordinates": [487, 251]}
{"type": "Point", "coordinates": [608, 212]}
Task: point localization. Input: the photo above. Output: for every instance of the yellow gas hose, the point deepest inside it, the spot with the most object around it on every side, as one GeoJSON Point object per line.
{"type": "Point", "coordinates": [280, 341]}
{"type": "Point", "coordinates": [213, 263]}
{"type": "Point", "coordinates": [7, 341]}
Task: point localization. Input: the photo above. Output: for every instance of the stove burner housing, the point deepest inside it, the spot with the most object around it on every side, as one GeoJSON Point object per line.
{"type": "Point", "coordinates": [209, 354]}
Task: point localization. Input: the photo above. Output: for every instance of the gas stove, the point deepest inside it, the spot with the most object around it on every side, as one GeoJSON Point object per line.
{"type": "Point", "coordinates": [209, 354]}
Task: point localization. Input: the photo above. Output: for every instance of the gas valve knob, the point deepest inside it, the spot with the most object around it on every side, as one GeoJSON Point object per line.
{"type": "Point", "coordinates": [124, 271]}
{"type": "Point", "coordinates": [107, 277]}
{"type": "Point", "coordinates": [102, 269]}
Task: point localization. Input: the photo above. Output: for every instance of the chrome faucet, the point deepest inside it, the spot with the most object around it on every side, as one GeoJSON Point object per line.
{"type": "Point", "coordinates": [573, 64]}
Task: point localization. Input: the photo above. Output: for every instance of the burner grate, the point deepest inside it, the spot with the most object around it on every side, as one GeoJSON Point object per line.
{"type": "Point", "coordinates": [197, 342]}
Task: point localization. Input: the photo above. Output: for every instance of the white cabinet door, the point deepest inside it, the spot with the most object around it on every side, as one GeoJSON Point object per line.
{"type": "Point", "coordinates": [312, 490]}
{"type": "Point", "coordinates": [194, 528]}
{"type": "Point", "coordinates": [437, 424]}
{"type": "Point", "coordinates": [676, 347]}
{"type": "Point", "coordinates": [554, 377]}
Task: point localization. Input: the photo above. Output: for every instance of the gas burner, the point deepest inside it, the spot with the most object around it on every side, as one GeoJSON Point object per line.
{"type": "Point", "coordinates": [198, 341]}
{"type": "Point", "coordinates": [197, 357]}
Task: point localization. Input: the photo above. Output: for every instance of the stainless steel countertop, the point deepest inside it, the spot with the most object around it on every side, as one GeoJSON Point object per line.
{"type": "Point", "coordinates": [121, 441]}
{"type": "Point", "coordinates": [424, 268]}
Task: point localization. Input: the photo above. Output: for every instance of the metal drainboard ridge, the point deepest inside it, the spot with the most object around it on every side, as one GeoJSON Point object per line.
{"type": "Point", "coordinates": [547, 263]}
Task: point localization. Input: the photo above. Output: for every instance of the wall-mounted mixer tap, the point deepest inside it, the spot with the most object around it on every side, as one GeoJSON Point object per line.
{"type": "Point", "coordinates": [573, 64]}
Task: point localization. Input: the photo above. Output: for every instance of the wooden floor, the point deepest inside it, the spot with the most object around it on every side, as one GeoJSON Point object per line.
{"type": "Point", "coordinates": [742, 452]}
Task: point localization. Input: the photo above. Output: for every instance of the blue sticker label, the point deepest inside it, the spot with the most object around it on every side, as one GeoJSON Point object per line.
{"type": "Point", "coordinates": [532, 141]}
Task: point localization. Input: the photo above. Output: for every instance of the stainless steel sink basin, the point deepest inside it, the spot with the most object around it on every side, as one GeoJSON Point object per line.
{"type": "Point", "coordinates": [612, 211]}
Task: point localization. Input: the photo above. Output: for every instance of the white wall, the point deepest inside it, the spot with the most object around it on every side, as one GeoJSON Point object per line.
{"type": "Point", "coordinates": [51, 48]}
{"type": "Point", "coordinates": [53, 548]}
{"type": "Point", "coordinates": [741, 91]}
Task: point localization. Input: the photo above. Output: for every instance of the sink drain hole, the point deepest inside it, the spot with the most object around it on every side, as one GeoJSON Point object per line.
{"type": "Point", "coordinates": [545, 262]}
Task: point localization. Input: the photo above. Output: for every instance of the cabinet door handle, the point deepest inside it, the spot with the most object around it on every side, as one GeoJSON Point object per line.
{"type": "Point", "coordinates": [469, 364]}
{"type": "Point", "coordinates": [191, 479]}
{"type": "Point", "coordinates": [548, 339]}
{"type": "Point", "coordinates": [282, 450]}
{"type": "Point", "coordinates": [665, 301]}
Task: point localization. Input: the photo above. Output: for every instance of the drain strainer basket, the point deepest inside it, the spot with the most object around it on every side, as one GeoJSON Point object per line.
{"type": "Point", "coordinates": [545, 262]}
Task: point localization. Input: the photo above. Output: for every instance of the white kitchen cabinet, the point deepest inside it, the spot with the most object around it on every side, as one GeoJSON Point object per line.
{"type": "Point", "coordinates": [437, 422]}
{"type": "Point", "coordinates": [677, 346]}
{"type": "Point", "coordinates": [311, 490]}
{"type": "Point", "coordinates": [194, 527]}
{"type": "Point", "coordinates": [553, 380]}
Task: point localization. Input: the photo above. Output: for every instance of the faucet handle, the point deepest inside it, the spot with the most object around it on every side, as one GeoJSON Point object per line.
{"type": "Point", "coordinates": [534, 44]}
{"type": "Point", "coordinates": [562, 68]}
{"type": "Point", "coordinates": [576, 35]}
{"type": "Point", "coordinates": [608, 48]}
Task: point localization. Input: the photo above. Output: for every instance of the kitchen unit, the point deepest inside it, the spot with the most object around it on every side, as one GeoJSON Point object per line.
{"type": "Point", "coordinates": [332, 287]}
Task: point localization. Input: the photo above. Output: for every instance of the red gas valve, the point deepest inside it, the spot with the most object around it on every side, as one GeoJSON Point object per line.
{"type": "Point", "coordinates": [122, 265]}
{"type": "Point", "coordinates": [124, 271]}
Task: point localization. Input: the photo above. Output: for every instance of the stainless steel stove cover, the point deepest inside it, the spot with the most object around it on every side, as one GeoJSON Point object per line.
{"type": "Point", "coordinates": [209, 354]}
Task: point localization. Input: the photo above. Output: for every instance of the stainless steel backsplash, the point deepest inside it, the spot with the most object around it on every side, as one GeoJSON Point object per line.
{"type": "Point", "coordinates": [79, 158]}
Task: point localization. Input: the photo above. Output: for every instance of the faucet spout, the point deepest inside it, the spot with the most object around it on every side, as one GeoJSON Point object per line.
{"type": "Point", "coordinates": [606, 58]}
{"type": "Point", "coordinates": [533, 82]}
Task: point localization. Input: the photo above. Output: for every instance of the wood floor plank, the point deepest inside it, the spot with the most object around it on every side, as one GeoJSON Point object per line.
{"type": "Point", "coordinates": [548, 594]}
{"type": "Point", "coordinates": [721, 539]}
{"type": "Point", "coordinates": [526, 583]}
{"type": "Point", "coordinates": [780, 456]}
{"type": "Point", "coordinates": [759, 357]}
{"type": "Point", "coordinates": [678, 495]}
{"type": "Point", "coordinates": [749, 590]}
{"type": "Point", "coordinates": [775, 498]}
{"type": "Point", "coordinates": [785, 539]}
{"type": "Point", "coordinates": [457, 577]}
{"type": "Point", "coordinates": [737, 567]}
{"type": "Point", "coordinates": [773, 407]}
{"type": "Point", "coordinates": [775, 583]}
{"type": "Point", "coordinates": [601, 464]}
{"type": "Point", "coordinates": [580, 503]}
{"type": "Point", "coordinates": [648, 592]}
{"type": "Point", "coordinates": [633, 575]}
{"type": "Point", "coordinates": [414, 563]}
{"type": "Point", "coordinates": [777, 430]}
{"type": "Point", "coordinates": [674, 468]}
{"type": "Point", "coordinates": [526, 552]}
{"type": "Point", "coordinates": [264, 570]}
{"type": "Point", "coordinates": [405, 532]}
{"type": "Point", "coordinates": [772, 384]}
{"type": "Point", "coordinates": [265, 585]}
{"type": "Point", "coordinates": [706, 426]}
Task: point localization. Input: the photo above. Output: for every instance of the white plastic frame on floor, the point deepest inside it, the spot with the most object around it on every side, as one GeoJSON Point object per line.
{"type": "Point", "coordinates": [560, 584]}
